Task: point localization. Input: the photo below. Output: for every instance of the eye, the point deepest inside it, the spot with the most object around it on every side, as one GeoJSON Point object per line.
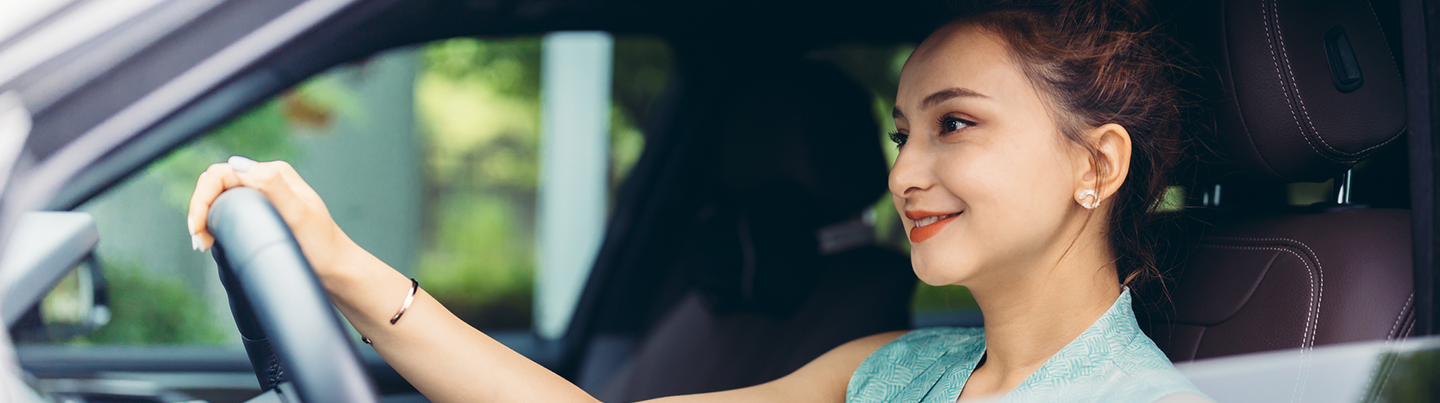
{"type": "Point", "coordinates": [950, 124]}
{"type": "Point", "coordinates": [899, 138]}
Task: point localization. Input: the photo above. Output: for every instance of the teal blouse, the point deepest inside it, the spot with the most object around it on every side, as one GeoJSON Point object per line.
{"type": "Point", "coordinates": [1112, 361]}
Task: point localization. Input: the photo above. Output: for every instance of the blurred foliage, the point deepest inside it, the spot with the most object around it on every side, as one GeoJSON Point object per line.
{"type": "Point", "coordinates": [930, 298]}
{"type": "Point", "coordinates": [148, 309]}
{"type": "Point", "coordinates": [478, 105]}
{"type": "Point", "coordinates": [481, 265]}
{"type": "Point", "coordinates": [265, 133]}
{"type": "Point", "coordinates": [642, 68]}
{"type": "Point", "coordinates": [477, 110]}
{"type": "Point", "coordinates": [66, 304]}
{"type": "Point", "coordinates": [1406, 377]}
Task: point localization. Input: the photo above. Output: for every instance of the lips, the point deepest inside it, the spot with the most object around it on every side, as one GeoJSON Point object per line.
{"type": "Point", "coordinates": [928, 224]}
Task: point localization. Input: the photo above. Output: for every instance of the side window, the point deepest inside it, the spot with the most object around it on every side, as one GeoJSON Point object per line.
{"type": "Point", "coordinates": [431, 157]}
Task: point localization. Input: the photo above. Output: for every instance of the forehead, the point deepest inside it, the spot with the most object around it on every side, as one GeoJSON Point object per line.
{"type": "Point", "coordinates": [963, 57]}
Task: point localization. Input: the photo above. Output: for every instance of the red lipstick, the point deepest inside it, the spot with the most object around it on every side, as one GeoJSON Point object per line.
{"type": "Point", "coordinates": [933, 223]}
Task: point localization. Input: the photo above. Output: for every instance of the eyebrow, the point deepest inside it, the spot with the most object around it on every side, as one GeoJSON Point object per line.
{"type": "Point", "coordinates": [939, 97]}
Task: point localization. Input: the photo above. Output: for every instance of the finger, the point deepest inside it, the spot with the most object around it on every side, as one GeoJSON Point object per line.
{"type": "Point", "coordinates": [268, 179]}
{"type": "Point", "coordinates": [298, 186]}
{"type": "Point", "coordinates": [215, 180]}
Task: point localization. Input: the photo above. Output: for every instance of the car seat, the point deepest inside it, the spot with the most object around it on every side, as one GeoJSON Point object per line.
{"type": "Point", "coordinates": [1305, 90]}
{"type": "Point", "coordinates": [781, 262]}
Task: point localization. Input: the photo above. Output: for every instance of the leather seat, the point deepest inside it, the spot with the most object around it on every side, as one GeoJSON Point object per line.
{"type": "Point", "coordinates": [1301, 91]}
{"type": "Point", "coordinates": [781, 266]}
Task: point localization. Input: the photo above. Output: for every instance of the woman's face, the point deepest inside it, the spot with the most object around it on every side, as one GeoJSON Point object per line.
{"type": "Point", "coordinates": [985, 182]}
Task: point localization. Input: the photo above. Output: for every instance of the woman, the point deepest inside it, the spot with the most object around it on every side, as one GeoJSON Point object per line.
{"type": "Point", "coordinates": [1033, 141]}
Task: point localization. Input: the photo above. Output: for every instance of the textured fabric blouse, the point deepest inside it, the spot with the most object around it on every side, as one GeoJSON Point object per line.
{"type": "Point", "coordinates": [1112, 361]}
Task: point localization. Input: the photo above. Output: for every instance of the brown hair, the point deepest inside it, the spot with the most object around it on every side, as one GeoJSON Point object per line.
{"type": "Point", "coordinates": [1101, 62]}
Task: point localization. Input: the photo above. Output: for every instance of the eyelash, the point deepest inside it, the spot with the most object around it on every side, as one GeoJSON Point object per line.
{"type": "Point", "coordinates": [900, 138]}
{"type": "Point", "coordinates": [945, 127]}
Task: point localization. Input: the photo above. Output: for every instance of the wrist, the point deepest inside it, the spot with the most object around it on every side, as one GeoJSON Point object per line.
{"type": "Point", "coordinates": [340, 263]}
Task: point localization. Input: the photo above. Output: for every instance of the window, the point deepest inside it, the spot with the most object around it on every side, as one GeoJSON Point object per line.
{"type": "Point", "coordinates": [429, 157]}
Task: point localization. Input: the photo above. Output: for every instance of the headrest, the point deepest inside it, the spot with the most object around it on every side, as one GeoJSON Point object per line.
{"type": "Point", "coordinates": [804, 123]}
{"type": "Point", "coordinates": [794, 150]}
{"type": "Point", "coordinates": [1307, 87]}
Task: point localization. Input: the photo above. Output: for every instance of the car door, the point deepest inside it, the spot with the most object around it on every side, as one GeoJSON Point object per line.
{"type": "Point", "coordinates": [391, 140]}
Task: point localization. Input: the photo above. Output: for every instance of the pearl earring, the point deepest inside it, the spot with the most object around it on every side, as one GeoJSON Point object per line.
{"type": "Point", "coordinates": [1089, 199]}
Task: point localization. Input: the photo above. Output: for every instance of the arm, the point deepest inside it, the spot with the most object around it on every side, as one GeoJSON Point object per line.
{"type": "Point", "coordinates": [442, 356]}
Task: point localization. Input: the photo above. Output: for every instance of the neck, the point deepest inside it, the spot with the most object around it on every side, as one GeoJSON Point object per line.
{"type": "Point", "coordinates": [1028, 321]}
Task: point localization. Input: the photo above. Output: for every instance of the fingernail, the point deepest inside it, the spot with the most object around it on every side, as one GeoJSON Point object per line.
{"type": "Point", "coordinates": [190, 225]}
{"type": "Point", "coordinates": [241, 164]}
{"type": "Point", "coordinates": [195, 242]}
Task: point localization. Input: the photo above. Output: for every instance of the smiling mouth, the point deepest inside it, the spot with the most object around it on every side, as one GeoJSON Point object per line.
{"type": "Point", "coordinates": [932, 219]}
{"type": "Point", "coordinates": [928, 224]}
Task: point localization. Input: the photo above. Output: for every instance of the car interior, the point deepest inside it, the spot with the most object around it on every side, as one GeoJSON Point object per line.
{"type": "Point", "coordinates": [763, 290]}
{"type": "Point", "coordinates": [1264, 275]}
{"type": "Point", "coordinates": [1302, 221]}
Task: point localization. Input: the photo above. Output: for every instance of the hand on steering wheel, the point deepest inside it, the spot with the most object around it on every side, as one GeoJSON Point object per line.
{"type": "Point", "coordinates": [288, 325]}
{"type": "Point", "coordinates": [319, 237]}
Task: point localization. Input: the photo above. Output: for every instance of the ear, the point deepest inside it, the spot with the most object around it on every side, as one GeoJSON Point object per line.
{"type": "Point", "coordinates": [1106, 169]}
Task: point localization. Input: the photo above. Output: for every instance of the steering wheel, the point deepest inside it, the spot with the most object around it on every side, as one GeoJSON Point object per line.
{"type": "Point", "coordinates": [286, 321]}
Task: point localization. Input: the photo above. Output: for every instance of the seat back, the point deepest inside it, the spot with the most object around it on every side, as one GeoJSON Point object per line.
{"type": "Point", "coordinates": [1302, 91]}
{"type": "Point", "coordinates": [780, 262]}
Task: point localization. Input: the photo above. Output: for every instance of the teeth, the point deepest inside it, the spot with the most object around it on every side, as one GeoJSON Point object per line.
{"type": "Point", "coordinates": [932, 219]}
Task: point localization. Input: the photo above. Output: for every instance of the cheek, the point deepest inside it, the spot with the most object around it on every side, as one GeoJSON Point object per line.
{"type": "Point", "coordinates": [1016, 196]}
{"type": "Point", "coordinates": [1008, 186]}
{"type": "Point", "coordinates": [1029, 185]}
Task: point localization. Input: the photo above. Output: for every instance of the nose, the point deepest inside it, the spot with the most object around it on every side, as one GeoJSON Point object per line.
{"type": "Point", "coordinates": [911, 172]}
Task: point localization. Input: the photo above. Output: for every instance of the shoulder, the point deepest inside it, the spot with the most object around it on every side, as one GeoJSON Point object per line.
{"type": "Point", "coordinates": [883, 375]}
{"type": "Point", "coordinates": [932, 341]}
{"type": "Point", "coordinates": [908, 342]}
{"type": "Point", "coordinates": [943, 334]}
{"type": "Point", "coordinates": [919, 346]}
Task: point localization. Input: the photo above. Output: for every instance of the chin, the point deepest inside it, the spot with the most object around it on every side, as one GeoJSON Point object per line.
{"type": "Point", "coordinates": [941, 270]}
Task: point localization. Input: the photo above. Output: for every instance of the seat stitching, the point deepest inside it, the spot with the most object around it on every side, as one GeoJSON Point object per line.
{"type": "Point", "coordinates": [1295, 88]}
{"type": "Point", "coordinates": [1317, 298]}
{"type": "Point", "coordinates": [1319, 268]}
{"type": "Point", "coordinates": [1400, 318]}
{"type": "Point", "coordinates": [1409, 325]}
{"type": "Point", "coordinates": [1376, 18]}
{"type": "Point", "coordinates": [1382, 373]}
{"type": "Point", "coordinates": [1294, 85]}
{"type": "Point", "coordinates": [1306, 338]}
{"type": "Point", "coordinates": [1389, 365]}
{"type": "Point", "coordinates": [1275, 59]}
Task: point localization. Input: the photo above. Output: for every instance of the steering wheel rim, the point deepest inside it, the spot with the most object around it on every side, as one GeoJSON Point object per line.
{"type": "Point", "coordinates": [271, 284]}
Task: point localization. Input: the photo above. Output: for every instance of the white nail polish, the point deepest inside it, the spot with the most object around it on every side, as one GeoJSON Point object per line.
{"type": "Point", "coordinates": [195, 242]}
{"type": "Point", "coordinates": [241, 164]}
